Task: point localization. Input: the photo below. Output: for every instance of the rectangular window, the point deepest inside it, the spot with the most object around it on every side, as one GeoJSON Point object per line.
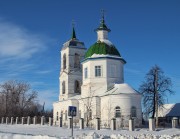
{"type": "Point", "coordinates": [86, 73]}
{"type": "Point", "coordinates": [98, 72]}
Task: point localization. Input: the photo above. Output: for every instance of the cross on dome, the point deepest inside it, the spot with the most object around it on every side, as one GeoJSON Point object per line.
{"type": "Point", "coordinates": [73, 31]}
{"type": "Point", "coordinates": [102, 25]}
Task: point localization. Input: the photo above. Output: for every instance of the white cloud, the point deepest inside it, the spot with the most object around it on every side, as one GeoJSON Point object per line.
{"type": "Point", "coordinates": [21, 57]}
{"type": "Point", "coordinates": [44, 71]}
{"type": "Point", "coordinates": [17, 42]}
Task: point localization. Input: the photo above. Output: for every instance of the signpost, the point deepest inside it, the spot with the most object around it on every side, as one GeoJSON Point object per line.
{"type": "Point", "coordinates": [72, 112]}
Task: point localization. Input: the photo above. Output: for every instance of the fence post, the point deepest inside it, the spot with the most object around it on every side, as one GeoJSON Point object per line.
{"type": "Point", "coordinates": [113, 124]}
{"type": "Point", "coordinates": [60, 122]}
{"type": "Point", "coordinates": [12, 120]}
{"type": "Point", "coordinates": [2, 121]}
{"type": "Point", "coordinates": [35, 120]}
{"type": "Point", "coordinates": [17, 119]}
{"type": "Point", "coordinates": [7, 120]}
{"type": "Point", "coordinates": [174, 122]}
{"type": "Point", "coordinates": [28, 120]}
{"type": "Point", "coordinates": [131, 124]}
{"type": "Point", "coordinates": [22, 122]}
{"type": "Point", "coordinates": [50, 121]}
{"type": "Point", "coordinates": [97, 124]}
{"type": "Point", "coordinates": [81, 123]}
{"type": "Point", "coordinates": [151, 124]}
{"type": "Point", "coordinates": [70, 123]}
{"type": "Point", "coordinates": [42, 120]}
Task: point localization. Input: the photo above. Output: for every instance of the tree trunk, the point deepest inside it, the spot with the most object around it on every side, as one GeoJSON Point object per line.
{"type": "Point", "coordinates": [154, 105]}
{"type": "Point", "coordinates": [156, 96]}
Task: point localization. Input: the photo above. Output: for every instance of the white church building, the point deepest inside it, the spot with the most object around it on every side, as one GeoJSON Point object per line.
{"type": "Point", "coordinates": [93, 81]}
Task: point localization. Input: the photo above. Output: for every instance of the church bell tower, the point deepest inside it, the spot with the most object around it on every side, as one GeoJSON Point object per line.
{"type": "Point", "coordinates": [70, 79]}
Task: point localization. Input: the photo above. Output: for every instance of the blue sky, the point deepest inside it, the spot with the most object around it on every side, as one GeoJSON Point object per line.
{"type": "Point", "coordinates": [32, 33]}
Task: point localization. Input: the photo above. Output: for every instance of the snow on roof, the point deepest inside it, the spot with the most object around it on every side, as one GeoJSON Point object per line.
{"type": "Point", "coordinates": [122, 88]}
{"type": "Point", "coordinates": [106, 41]}
{"type": "Point", "coordinates": [125, 88]}
{"type": "Point", "coordinates": [102, 55]}
{"type": "Point", "coordinates": [169, 110]}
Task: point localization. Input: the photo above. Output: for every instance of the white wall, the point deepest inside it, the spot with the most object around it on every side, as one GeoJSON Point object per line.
{"type": "Point", "coordinates": [125, 102]}
{"type": "Point", "coordinates": [101, 84]}
{"type": "Point", "coordinates": [75, 73]}
{"type": "Point", "coordinates": [62, 106]}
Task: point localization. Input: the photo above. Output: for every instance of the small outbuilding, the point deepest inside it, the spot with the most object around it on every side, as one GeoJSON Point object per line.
{"type": "Point", "coordinates": [167, 111]}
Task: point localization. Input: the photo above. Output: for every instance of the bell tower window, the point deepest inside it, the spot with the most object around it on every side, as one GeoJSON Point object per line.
{"type": "Point", "coordinates": [85, 73]}
{"type": "Point", "coordinates": [76, 60]}
{"type": "Point", "coordinates": [77, 88]}
{"type": "Point", "coordinates": [64, 61]}
{"type": "Point", "coordinates": [63, 87]}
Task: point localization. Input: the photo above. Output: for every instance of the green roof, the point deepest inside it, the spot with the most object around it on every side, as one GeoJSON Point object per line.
{"type": "Point", "coordinates": [102, 48]}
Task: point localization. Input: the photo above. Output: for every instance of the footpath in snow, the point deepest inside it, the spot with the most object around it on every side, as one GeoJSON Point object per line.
{"type": "Point", "coordinates": [48, 132]}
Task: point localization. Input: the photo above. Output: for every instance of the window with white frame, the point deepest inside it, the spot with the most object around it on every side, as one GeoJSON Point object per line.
{"type": "Point", "coordinates": [85, 73]}
{"type": "Point", "coordinates": [98, 71]}
{"type": "Point", "coordinates": [117, 112]}
{"type": "Point", "coordinates": [90, 114]}
{"type": "Point", "coordinates": [113, 71]}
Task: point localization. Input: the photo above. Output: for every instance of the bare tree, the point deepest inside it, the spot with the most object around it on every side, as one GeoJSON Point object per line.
{"type": "Point", "coordinates": [110, 111]}
{"type": "Point", "coordinates": [17, 98]}
{"type": "Point", "coordinates": [88, 103]}
{"type": "Point", "coordinates": [154, 90]}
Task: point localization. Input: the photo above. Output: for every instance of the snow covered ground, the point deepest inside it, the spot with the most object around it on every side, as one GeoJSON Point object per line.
{"type": "Point", "coordinates": [47, 132]}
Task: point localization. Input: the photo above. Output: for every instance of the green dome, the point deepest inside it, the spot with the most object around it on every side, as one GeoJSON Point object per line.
{"type": "Point", "coordinates": [102, 48]}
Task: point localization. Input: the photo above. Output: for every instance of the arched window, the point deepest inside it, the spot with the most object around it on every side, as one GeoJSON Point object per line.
{"type": "Point", "coordinates": [57, 117]}
{"type": "Point", "coordinates": [64, 61]}
{"type": "Point", "coordinates": [66, 115]}
{"type": "Point", "coordinates": [76, 60]}
{"type": "Point", "coordinates": [77, 88]}
{"type": "Point", "coordinates": [62, 115]}
{"type": "Point", "coordinates": [117, 112]}
{"type": "Point", "coordinates": [63, 87]}
{"type": "Point", "coordinates": [90, 114]}
{"type": "Point", "coordinates": [133, 111]}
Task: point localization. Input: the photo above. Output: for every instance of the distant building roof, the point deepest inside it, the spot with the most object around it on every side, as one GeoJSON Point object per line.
{"type": "Point", "coordinates": [169, 110]}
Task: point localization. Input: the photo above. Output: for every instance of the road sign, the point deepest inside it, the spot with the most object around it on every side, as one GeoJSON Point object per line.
{"type": "Point", "coordinates": [72, 111]}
